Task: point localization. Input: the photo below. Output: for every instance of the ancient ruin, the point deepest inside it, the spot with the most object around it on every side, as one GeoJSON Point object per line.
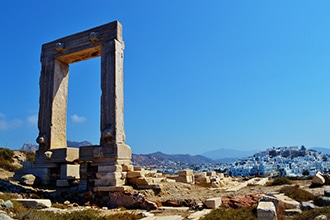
{"type": "Point", "coordinates": [94, 166]}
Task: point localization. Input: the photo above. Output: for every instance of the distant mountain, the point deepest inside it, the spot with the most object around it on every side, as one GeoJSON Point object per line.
{"type": "Point", "coordinates": [321, 149]}
{"type": "Point", "coordinates": [27, 146]}
{"type": "Point", "coordinates": [76, 144]}
{"type": "Point", "coordinates": [225, 154]}
{"type": "Point", "coordinates": [158, 158]}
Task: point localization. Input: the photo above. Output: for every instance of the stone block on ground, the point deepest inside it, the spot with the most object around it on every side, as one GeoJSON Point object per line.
{"type": "Point", "coordinates": [202, 177]}
{"type": "Point", "coordinates": [158, 180]}
{"type": "Point", "coordinates": [318, 179]}
{"type": "Point", "coordinates": [291, 212]}
{"type": "Point", "coordinates": [201, 174]}
{"type": "Point", "coordinates": [213, 203]}
{"type": "Point", "coordinates": [170, 180]}
{"type": "Point", "coordinates": [35, 203]}
{"type": "Point", "coordinates": [140, 181]}
{"type": "Point", "coordinates": [211, 173]}
{"type": "Point", "coordinates": [205, 179]}
{"type": "Point", "coordinates": [185, 179]}
{"type": "Point", "coordinates": [266, 211]}
{"type": "Point", "coordinates": [135, 174]}
{"type": "Point", "coordinates": [185, 172]}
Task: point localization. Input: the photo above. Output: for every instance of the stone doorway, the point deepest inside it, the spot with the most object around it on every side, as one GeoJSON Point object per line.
{"type": "Point", "coordinates": [54, 160]}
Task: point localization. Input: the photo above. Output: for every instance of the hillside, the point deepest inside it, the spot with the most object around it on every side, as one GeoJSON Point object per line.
{"type": "Point", "coordinates": [159, 158]}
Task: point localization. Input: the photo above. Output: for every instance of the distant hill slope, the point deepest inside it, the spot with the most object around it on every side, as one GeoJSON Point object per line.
{"type": "Point", "coordinates": [77, 144]}
{"type": "Point", "coordinates": [227, 154]}
{"type": "Point", "coordinates": [321, 149]}
{"type": "Point", "coordinates": [27, 146]}
{"type": "Point", "coordinates": [158, 158]}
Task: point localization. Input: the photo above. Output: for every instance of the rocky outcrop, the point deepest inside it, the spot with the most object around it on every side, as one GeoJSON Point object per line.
{"type": "Point", "coordinates": [239, 201]}
{"type": "Point", "coordinates": [321, 217]}
{"type": "Point", "coordinates": [132, 200]}
{"type": "Point", "coordinates": [4, 216]}
{"type": "Point", "coordinates": [28, 179]}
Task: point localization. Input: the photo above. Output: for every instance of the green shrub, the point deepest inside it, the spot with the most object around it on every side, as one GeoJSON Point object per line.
{"type": "Point", "coordinates": [248, 213]}
{"type": "Point", "coordinates": [6, 159]}
{"type": "Point", "coordinates": [279, 181]}
{"type": "Point", "coordinates": [298, 194]}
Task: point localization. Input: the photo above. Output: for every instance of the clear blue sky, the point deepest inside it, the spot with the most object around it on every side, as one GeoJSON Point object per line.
{"type": "Point", "coordinates": [199, 75]}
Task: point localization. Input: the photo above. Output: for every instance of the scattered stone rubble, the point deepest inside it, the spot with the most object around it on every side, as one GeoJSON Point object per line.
{"type": "Point", "coordinates": [132, 194]}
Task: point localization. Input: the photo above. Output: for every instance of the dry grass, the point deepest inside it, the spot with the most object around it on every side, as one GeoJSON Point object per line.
{"type": "Point", "coordinates": [6, 159]}
{"type": "Point", "coordinates": [298, 194]}
{"type": "Point", "coordinates": [248, 213]}
{"type": "Point", "coordinates": [279, 181]}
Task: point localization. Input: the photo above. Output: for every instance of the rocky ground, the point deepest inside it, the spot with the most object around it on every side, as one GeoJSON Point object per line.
{"type": "Point", "coordinates": [174, 198]}
{"type": "Point", "coordinates": [183, 200]}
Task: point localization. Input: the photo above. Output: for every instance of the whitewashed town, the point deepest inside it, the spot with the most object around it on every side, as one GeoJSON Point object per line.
{"type": "Point", "coordinates": [291, 161]}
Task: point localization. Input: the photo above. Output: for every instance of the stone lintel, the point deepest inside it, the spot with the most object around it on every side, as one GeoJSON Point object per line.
{"type": "Point", "coordinates": [82, 45]}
